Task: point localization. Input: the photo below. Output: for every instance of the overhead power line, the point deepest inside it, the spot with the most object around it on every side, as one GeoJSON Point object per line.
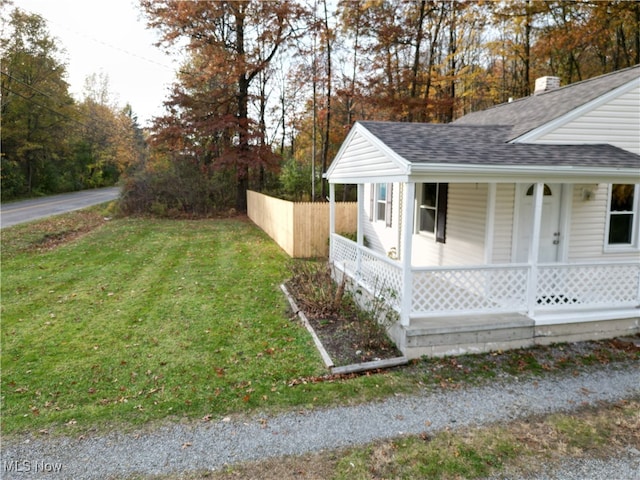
{"type": "Point", "coordinates": [31, 100]}
{"type": "Point", "coordinates": [26, 84]}
{"type": "Point", "coordinates": [46, 107]}
{"type": "Point", "coordinates": [102, 42]}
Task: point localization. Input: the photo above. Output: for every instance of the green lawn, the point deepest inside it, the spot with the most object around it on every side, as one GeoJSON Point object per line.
{"type": "Point", "coordinates": [148, 319]}
{"type": "Point", "coordinates": [116, 324]}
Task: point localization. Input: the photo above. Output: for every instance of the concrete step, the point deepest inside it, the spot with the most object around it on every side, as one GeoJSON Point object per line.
{"type": "Point", "coordinates": [436, 337]}
{"type": "Point", "coordinates": [470, 334]}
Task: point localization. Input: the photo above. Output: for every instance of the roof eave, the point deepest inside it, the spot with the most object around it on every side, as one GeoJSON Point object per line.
{"type": "Point", "coordinates": [517, 173]}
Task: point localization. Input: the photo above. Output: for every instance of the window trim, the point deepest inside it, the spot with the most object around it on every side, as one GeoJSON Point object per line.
{"type": "Point", "coordinates": [378, 207]}
{"type": "Point", "coordinates": [635, 212]}
{"type": "Point", "coordinates": [440, 222]}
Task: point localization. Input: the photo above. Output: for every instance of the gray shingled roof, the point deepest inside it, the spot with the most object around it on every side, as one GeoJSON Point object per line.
{"type": "Point", "coordinates": [526, 114]}
{"type": "Point", "coordinates": [486, 145]}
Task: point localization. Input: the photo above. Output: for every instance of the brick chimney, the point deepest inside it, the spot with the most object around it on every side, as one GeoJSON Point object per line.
{"type": "Point", "coordinates": [544, 84]}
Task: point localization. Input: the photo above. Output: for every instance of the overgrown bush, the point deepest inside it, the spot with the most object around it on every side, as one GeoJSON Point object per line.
{"type": "Point", "coordinates": [295, 180]}
{"type": "Point", "coordinates": [13, 179]}
{"type": "Point", "coordinates": [177, 188]}
{"type": "Point", "coordinates": [315, 289]}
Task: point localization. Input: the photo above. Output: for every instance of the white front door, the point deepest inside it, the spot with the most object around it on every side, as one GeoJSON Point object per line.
{"type": "Point", "coordinates": [550, 235]}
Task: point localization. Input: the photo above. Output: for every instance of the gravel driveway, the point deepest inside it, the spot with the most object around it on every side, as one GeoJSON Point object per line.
{"type": "Point", "coordinates": [211, 445]}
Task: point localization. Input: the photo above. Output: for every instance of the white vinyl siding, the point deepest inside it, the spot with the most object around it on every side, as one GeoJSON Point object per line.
{"type": "Point", "coordinates": [378, 236]}
{"type": "Point", "coordinates": [360, 158]}
{"type": "Point", "coordinates": [616, 122]}
{"type": "Point", "coordinates": [466, 218]}
{"type": "Point", "coordinates": [588, 228]}
{"type": "Point", "coordinates": [503, 235]}
{"type": "Point", "coordinates": [466, 215]}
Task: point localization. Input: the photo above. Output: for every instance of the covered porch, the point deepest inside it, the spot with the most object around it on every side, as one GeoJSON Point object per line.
{"type": "Point", "coordinates": [542, 292]}
{"type": "Point", "coordinates": [454, 309]}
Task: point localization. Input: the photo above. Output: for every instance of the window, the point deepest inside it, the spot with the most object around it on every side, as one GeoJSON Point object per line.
{"type": "Point", "coordinates": [623, 209]}
{"type": "Point", "coordinates": [433, 210]}
{"type": "Point", "coordinates": [428, 206]}
{"type": "Point", "coordinates": [381, 202]}
{"type": "Point", "coordinates": [546, 190]}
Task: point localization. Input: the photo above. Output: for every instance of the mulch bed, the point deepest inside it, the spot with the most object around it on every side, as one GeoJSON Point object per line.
{"type": "Point", "coordinates": [347, 335]}
{"type": "Point", "coordinates": [347, 344]}
{"type": "Point", "coordinates": [350, 337]}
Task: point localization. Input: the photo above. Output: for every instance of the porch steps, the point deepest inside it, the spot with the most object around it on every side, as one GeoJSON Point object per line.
{"type": "Point", "coordinates": [469, 334]}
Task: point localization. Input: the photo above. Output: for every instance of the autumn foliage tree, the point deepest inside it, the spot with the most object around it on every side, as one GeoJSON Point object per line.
{"type": "Point", "coordinates": [281, 83]}
{"type": "Point", "coordinates": [229, 44]}
{"type": "Point", "coordinates": [50, 142]}
{"type": "Point", "coordinates": [37, 110]}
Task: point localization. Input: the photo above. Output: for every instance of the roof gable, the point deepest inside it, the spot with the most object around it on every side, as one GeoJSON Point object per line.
{"type": "Point", "coordinates": [530, 113]}
{"type": "Point", "coordinates": [612, 118]}
{"type": "Point", "coordinates": [364, 156]}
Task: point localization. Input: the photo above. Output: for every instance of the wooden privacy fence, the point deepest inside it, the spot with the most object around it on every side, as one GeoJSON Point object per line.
{"type": "Point", "coordinates": [301, 229]}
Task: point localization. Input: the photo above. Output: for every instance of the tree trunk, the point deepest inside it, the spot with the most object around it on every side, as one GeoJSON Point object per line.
{"type": "Point", "coordinates": [416, 66]}
{"type": "Point", "coordinates": [637, 60]}
{"type": "Point", "coordinates": [527, 51]}
{"type": "Point", "coordinates": [431, 63]}
{"type": "Point", "coordinates": [452, 65]}
{"type": "Point", "coordinates": [242, 171]}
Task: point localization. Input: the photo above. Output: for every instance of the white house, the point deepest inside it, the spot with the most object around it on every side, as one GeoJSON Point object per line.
{"type": "Point", "coordinates": [512, 226]}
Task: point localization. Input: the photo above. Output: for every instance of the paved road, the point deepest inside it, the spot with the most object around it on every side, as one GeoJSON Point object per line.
{"type": "Point", "coordinates": [35, 208]}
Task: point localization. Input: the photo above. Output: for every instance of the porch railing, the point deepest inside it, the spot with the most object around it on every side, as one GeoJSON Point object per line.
{"type": "Point", "coordinates": [485, 289]}
{"type": "Point", "coordinates": [380, 275]}
{"type": "Point", "coordinates": [588, 285]}
{"type": "Point", "coordinates": [458, 290]}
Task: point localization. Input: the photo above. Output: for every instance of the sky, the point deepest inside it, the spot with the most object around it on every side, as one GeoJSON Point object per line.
{"type": "Point", "coordinates": [109, 36]}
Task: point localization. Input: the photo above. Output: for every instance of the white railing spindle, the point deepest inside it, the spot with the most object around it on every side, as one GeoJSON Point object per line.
{"type": "Point", "coordinates": [487, 289]}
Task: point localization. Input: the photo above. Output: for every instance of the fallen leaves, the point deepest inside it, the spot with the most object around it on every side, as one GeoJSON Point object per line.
{"type": "Point", "coordinates": [323, 378]}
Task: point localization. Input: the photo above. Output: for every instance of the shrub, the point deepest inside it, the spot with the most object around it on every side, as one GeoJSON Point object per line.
{"type": "Point", "coordinates": [177, 188]}
{"type": "Point", "coordinates": [319, 296]}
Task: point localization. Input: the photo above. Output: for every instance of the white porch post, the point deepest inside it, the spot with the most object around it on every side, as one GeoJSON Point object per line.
{"type": "Point", "coordinates": [407, 241]}
{"type": "Point", "coordinates": [360, 229]}
{"type": "Point", "coordinates": [332, 216]}
{"type": "Point", "coordinates": [534, 247]}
